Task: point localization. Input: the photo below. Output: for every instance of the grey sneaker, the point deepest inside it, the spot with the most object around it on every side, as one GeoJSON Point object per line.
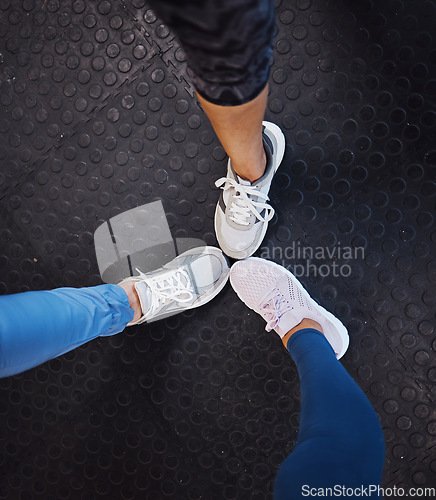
{"type": "Point", "coordinates": [276, 294]}
{"type": "Point", "coordinates": [190, 280]}
{"type": "Point", "coordinates": [242, 214]}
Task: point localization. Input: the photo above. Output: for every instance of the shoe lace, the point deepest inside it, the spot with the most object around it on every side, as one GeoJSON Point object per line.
{"type": "Point", "coordinates": [176, 286]}
{"type": "Point", "coordinates": [273, 308]}
{"type": "Point", "coordinates": [243, 206]}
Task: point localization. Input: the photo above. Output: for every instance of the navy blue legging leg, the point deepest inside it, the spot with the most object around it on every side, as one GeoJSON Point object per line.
{"type": "Point", "coordinates": [340, 442]}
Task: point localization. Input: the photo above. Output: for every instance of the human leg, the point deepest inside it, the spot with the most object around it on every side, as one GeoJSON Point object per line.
{"type": "Point", "coordinates": [239, 129]}
{"type": "Point", "coordinates": [38, 326]}
{"type": "Point", "coordinates": [340, 442]}
{"type": "Point", "coordinates": [228, 46]}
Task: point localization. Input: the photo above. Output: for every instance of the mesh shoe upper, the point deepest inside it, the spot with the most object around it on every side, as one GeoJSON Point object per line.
{"type": "Point", "coordinates": [275, 294]}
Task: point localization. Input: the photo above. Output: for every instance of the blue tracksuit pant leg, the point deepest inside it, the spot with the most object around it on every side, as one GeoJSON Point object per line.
{"type": "Point", "coordinates": [38, 326]}
{"type": "Point", "coordinates": [340, 441]}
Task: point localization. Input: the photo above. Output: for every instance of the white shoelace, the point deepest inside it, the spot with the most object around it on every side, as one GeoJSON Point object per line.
{"type": "Point", "coordinates": [273, 308]}
{"type": "Point", "coordinates": [243, 206]}
{"type": "Point", "coordinates": [176, 286]}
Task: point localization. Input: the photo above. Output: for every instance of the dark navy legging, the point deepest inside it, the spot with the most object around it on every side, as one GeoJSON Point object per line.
{"type": "Point", "coordinates": [340, 443]}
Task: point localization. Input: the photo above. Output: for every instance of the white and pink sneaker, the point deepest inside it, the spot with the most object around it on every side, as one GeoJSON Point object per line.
{"type": "Point", "coordinates": [276, 294]}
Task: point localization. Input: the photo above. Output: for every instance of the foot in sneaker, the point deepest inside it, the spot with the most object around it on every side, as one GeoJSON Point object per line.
{"type": "Point", "coordinates": [274, 293]}
{"type": "Point", "coordinates": [242, 213]}
{"type": "Point", "coordinates": [190, 280]}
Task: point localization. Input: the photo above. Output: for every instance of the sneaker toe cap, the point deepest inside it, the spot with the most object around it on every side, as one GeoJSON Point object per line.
{"type": "Point", "coordinates": [207, 270]}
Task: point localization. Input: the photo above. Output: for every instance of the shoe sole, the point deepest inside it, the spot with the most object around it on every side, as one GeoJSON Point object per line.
{"type": "Point", "coordinates": [343, 333]}
{"type": "Point", "coordinates": [277, 138]}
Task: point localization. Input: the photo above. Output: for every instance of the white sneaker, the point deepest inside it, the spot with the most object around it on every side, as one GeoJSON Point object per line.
{"type": "Point", "coordinates": [276, 294]}
{"type": "Point", "coordinates": [190, 280]}
{"type": "Point", "coordinates": [242, 214]}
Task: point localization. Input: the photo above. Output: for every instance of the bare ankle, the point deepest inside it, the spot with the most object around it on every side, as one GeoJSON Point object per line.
{"type": "Point", "coordinates": [251, 170]}
{"type": "Point", "coordinates": [132, 295]}
{"type": "Point", "coordinates": [306, 323]}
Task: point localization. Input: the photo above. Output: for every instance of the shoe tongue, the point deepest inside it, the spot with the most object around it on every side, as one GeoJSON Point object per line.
{"type": "Point", "coordinates": [144, 294]}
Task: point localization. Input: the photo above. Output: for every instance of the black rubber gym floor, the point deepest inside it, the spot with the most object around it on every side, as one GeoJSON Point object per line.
{"type": "Point", "coordinates": [98, 117]}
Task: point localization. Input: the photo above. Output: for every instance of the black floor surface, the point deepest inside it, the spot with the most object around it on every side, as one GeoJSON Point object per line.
{"type": "Point", "coordinates": [98, 117]}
